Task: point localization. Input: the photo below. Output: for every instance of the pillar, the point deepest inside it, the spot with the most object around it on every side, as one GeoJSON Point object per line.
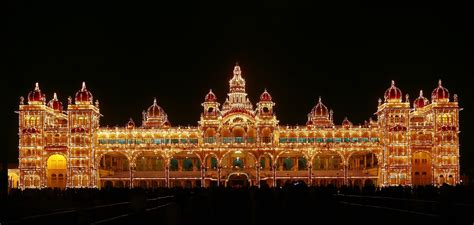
{"type": "Point", "coordinates": [203, 175]}
{"type": "Point", "coordinates": [257, 175]}
{"type": "Point", "coordinates": [274, 175]}
{"type": "Point", "coordinates": [365, 161]}
{"type": "Point", "coordinates": [218, 175]}
{"type": "Point", "coordinates": [167, 175]}
{"type": "Point", "coordinates": [296, 164]}
{"type": "Point", "coordinates": [131, 177]}
{"type": "Point", "coordinates": [310, 174]}
{"type": "Point", "coordinates": [345, 168]}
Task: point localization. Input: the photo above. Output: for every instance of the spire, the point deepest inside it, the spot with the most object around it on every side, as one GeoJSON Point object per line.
{"type": "Point", "coordinates": [154, 101]}
{"type": "Point", "coordinates": [421, 93]}
{"type": "Point", "coordinates": [37, 86]}
{"type": "Point", "coordinates": [440, 83]}
{"type": "Point", "coordinates": [83, 86]}
{"type": "Point", "coordinates": [55, 97]}
{"type": "Point", "coordinates": [393, 83]}
{"type": "Point", "coordinates": [237, 71]}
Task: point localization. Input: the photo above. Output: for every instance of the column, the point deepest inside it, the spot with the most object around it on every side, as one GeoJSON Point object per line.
{"type": "Point", "coordinates": [345, 168]}
{"type": "Point", "coordinates": [167, 175]}
{"type": "Point", "coordinates": [203, 175]}
{"type": "Point", "coordinates": [310, 174]}
{"type": "Point", "coordinates": [218, 175]}
{"type": "Point", "coordinates": [131, 177]}
{"type": "Point", "coordinates": [296, 164]}
{"type": "Point", "coordinates": [257, 175]}
{"type": "Point", "coordinates": [274, 175]}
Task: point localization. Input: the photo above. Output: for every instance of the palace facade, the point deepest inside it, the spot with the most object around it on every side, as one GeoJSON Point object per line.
{"type": "Point", "coordinates": [237, 144]}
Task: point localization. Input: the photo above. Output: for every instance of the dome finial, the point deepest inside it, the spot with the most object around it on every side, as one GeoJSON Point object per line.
{"type": "Point", "coordinates": [37, 86]}
{"type": "Point", "coordinates": [421, 93]}
{"type": "Point", "coordinates": [154, 101]}
{"type": "Point", "coordinates": [55, 97]}
{"type": "Point", "coordinates": [440, 83]}
{"type": "Point", "coordinates": [83, 86]}
{"type": "Point", "coordinates": [393, 83]}
{"type": "Point", "coordinates": [320, 101]}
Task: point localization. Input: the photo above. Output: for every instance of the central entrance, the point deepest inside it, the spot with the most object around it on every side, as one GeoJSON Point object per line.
{"type": "Point", "coordinates": [238, 180]}
{"type": "Point", "coordinates": [56, 171]}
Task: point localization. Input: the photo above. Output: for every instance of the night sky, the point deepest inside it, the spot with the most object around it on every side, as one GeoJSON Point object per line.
{"type": "Point", "coordinates": [130, 52]}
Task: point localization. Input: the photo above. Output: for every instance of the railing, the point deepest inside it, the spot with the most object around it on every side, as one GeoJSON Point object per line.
{"type": "Point", "coordinates": [311, 140]}
{"type": "Point", "coordinates": [237, 140]}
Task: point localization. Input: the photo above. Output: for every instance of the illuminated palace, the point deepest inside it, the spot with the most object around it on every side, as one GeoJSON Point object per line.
{"type": "Point", "coordinates": [238, 144]}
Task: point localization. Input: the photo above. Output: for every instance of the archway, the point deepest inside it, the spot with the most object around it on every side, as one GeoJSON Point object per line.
{"type": "Point", "coordinates": [149, 167]}
{"type": "Point", "coordinates": [238, 133]}
{"type": "Point", "coordinates": [185, 166]}
{"type": "Point", "coordinates": [327, 168]}
{"type": "Point", "coordinates": [56, 171]}
{"type": "Point", "coordinates": [13, 178]}
{"type": "Point", "coordinates": [266, 170]}
{"type": "Point", "coordinates": [114, 167]}
{"type": "Point", "coordinates": [238, 162]}
{"type": "Point", "coordinates": [237, 180]}
{"type": "Point", "coordinates": [364, 165]}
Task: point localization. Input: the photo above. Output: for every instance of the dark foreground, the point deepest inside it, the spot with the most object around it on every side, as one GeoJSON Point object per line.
{"type": "Point", "coordinates": [288, 205]}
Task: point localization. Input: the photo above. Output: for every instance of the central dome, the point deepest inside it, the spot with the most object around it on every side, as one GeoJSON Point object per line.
{"type": "Point", "coordinates": [320, 110]}
{"type": "Point", "coordinates": [155, 110]}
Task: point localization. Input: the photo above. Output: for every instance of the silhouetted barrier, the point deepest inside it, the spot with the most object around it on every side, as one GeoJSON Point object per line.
{"type": "Point", "coordinates": [291, 204]}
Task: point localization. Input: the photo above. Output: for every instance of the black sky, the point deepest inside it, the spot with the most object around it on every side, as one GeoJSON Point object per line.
{"type": "Point", "coordinates": [130, 52]}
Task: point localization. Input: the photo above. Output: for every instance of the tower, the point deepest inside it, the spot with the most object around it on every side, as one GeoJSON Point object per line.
{"type": "Point", "coordinates": [210, 118]}
{"type": "Point", "coordinates": [393, 118]}
{"type": "Point", "coordinates": [32, 118]}
{"type": "Point", "coordinates": [237, 97]}
{"type": "Point", "coordinates": [446, 136]}
{"type": "Point", "coordinates": [83, 124]}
